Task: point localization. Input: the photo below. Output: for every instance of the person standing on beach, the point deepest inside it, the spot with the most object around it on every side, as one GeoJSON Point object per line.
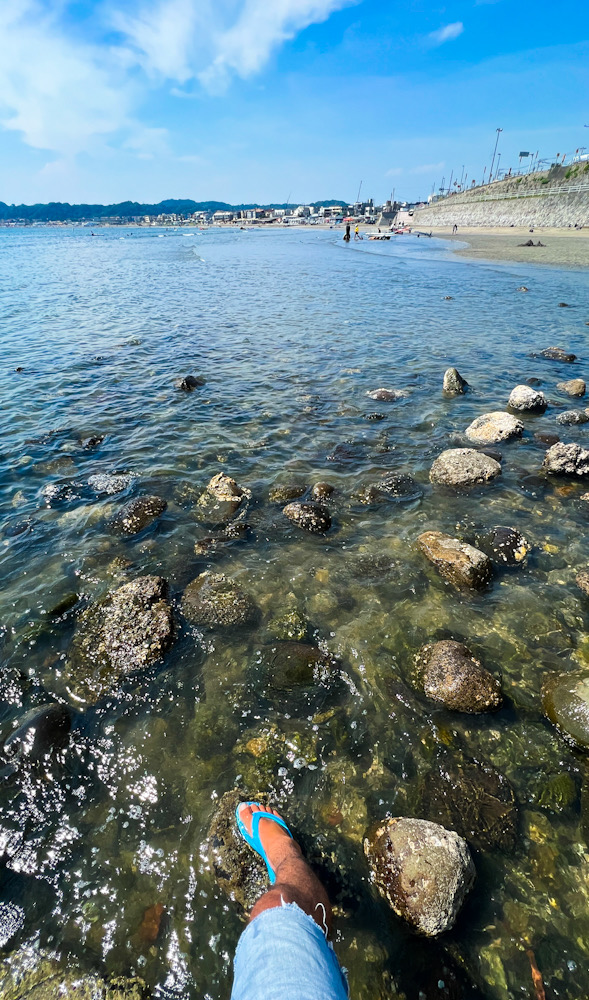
{"type": "Point", "coordinates": [454, 228]}
{"type": "Point", "coordinates": [357, 232]}
{"type": "Point", "coordinates": [347, 236]}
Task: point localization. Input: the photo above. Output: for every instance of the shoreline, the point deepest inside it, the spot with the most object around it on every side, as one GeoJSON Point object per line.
{"type": "Point", "coordinates": [563, 247]}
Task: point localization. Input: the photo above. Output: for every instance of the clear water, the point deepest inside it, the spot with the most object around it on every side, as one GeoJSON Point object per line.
{"type": "Point", "coordinates": [290, 330]}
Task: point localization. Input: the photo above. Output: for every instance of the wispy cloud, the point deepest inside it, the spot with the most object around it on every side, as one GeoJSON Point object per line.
{"type": "Point", "coordinates": [446, 33]}
{"type": "Point", "coordinates": [69, 95]}
{"type": "Point", "coordinates": [394, 172]}
{"type": "Point", "coordinates": [428, 168]}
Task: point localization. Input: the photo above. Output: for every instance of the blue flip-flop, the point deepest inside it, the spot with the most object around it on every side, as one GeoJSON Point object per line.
{"type": "Point", "coordinates": [253, 839]}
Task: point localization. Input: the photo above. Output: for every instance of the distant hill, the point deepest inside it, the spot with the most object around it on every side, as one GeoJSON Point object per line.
{"type": "Point", "coordinates": [57, 211]}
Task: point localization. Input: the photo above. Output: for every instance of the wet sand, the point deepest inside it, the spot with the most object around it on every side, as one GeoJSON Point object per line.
{"type": "Point", "coordinates": [564, 247]}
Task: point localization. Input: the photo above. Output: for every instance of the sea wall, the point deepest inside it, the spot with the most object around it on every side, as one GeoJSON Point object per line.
{"type": "Point", "coordinates": [558, 197]}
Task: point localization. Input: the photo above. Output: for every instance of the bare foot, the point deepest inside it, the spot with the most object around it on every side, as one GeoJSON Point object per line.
{"type": "Point", "coordinates": [274, 838]}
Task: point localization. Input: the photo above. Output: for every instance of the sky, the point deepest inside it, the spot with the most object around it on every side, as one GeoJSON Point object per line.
{"type": "Point", "coordinates": [281, 100]}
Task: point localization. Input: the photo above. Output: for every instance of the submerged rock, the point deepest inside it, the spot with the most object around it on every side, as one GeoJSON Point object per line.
{"type": "Point", "coordinates": [291, 625]}
{"type": "Point", "coordinates": [558, 354]}
{"type": "Point", "coordinates": [453, 383]}
{"type": "Point", "coordinates": [447, 672]}
{"type": "Point", "coordinates": [571, 417]}
{"type": "Point", "coordinates": [582, 580]}
{"type": "Point", "coordinates": [525, 399]}
{"type": "Point", "coordinates": [213, 600]}
{"type": "Point", "coordinates": [31, 974]}
{"type": "Point", "coordinates": [574, 387]}
{"type": "Point", "coordinates": [396, 486]}
{"type": "Point", "coordinates": [285, 493]}
{"type": "Point", "coordinates": [43, 729]}
{"type": "Point", "coordinates": [463, 467]}
{"type": "Point", "coordinates": [127, 630]}
{"type": "Point", "coordinates": [105, 482]}
{"type": "Point", "coordinates": [93, 441]}
{"type": "Point", "coordinates": [505, 546]}
{"type": "Point", "coordinates": [423, 871]}
{"type": "Point", "coordinates": [546, 437]}
{"type": "Point", "coordinates": [137, 515]}
{"type": "Point", "coordinates": [458, 562]}
{"type": "Point", "coordinates": [473, 799]}
{"type": "Point", "coordinates": [565, 700]}
{"type": "Point", "coordinates": [190, 382]}
{"type": "Point", "coordinates": [313, 517]}
{"type": "Point", "coordinates": [287, 665]}
{"type": "Point", "coordinates": [320, 491]}
{"type": "Point", "coordinates": [566, 460]}
{"type": "Point", "coordinates": [240, 872]}
{"type": "Point", "coordinates": [492, 427]}
{"type": "Point", "coordinates": [221, 499]}
{"type": "Point", "coordinates": [387, 395]}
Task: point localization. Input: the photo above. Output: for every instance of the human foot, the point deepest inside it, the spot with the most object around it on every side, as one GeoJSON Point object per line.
{"type": "Point", "coordinates": [271, 835]}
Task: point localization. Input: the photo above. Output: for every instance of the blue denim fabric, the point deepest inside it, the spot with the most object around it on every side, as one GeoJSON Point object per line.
{"type": "Point", "coordinates": [283, 955]}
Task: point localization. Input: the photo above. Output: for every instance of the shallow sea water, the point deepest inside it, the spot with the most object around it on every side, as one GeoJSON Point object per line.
{"type": "Point", "coordinates": [290, 331]}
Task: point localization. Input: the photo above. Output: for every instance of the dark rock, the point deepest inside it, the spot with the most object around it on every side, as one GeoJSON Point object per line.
{"type": "Point", "coordinates": [387, 395]}
{"type": "Point", "coordinates": [571, 417]}
{"type": "Point", "coordinates": [137, 514]}
{"type": "Point", "coordinates": [473, 799]}
{"type": "Point", "coordinates": [348, 452]}
{"type": "Point", "coordinates": [284, 493]}
{"type": "Point", "coordinates": [533, 381]}
{"type": "Point", "coordinates": [423, 871]}
{"type": "Point", "coordinates": [374, 416]}
{"type": "Point", "coordinates": [320, 491]}
{"type": "Point", "coordinates": [563, 305]}
{"type": "Point", "coordinates": [505, 546]}
{"type": "Point", "coordinates": [463, 467]}
{"type": "Point", "coordinates": [522, 288]}
{"type": "Point", "coordinates": [546, 437]}
{"type": "Point", "coordinates": [286, 665]}
{"type": "Point", "coordinates": [558, 354]}
{"type": "Point", "coordinates": [31, 974]}
{"type": "Point", "coordinates": [40, 731]}
{"type": "Point", "coordinates": [12, 529]}
{"type": "Point", "coordinates": [213, 600]}
{"type": "Point", "coordinates": [566, 460]}
{"type": "Point", "coordinates": [574, 387]}
{"type": "Point", "coordinates": [110, 483]}
{"type": "Point", "coordinates": [582, 581]}
{"type": "Point", "coordinates": [233, 532]}
{"type": "Point", "coordinates": [493, 427]}
{"type": "Point", "coordinates": [453, 383]}
{"type": "Point", "coordinates": [93, 441]}
{"type": "Point", "coordinates": [524, 399]}
{"type": "Point", "coordinates": [458, 562]}
{"type": "Point", "coordinates": [127, 630]}
{"type": "Point", "coordinates": [396, 486]}
{"type": "Point", "coordinates": [447, 298]}
{"type": "Point", "coordinates": [64, 605]}
{"type": "Point", "coordinates": [240, 872]}
{"type": "Point", "coordinates": [311, 517]}
{"type": "Point", "coordinates": [448, 673]}
{"type": "Point", "coordinates": [190, 382]}
{"type": "Point", "coordinates": [565, 700]}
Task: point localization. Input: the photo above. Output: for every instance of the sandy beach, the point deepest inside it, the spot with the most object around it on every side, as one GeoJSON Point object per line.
{"type": "Point", "coordinates": [563, 247]}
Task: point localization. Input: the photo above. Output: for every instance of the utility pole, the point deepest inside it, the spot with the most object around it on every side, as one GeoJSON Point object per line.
{"type": "Point", "coordinates": [484, 172]}
{"type": "Point", "coordinates": [442, 186]}
{"type": "Point", "coordinates": [450, 184]}
{"type": "Point", "coordinates": [499, 130]}
{"type": "Point", "coordinates": [498, 162]}
{"type": "Point", "coordinates": [462, 177]}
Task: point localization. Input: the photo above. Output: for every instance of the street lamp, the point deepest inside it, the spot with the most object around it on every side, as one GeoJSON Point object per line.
{"type": "Point", "coordinates": [499, 130]}
{"type": "Point", "coordinates": [498, 162]}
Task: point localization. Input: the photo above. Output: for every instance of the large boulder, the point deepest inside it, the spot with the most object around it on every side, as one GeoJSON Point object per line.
{"type": "Point", "coordinates": [525, 399]}
{"type": "Point", "coordinates": [558, 354]}
{"type": "Point", "coordinates": [492, 427]}
{"type": "Point", "coordinates": [473, 799]}
{"type": "Point", "coordinates": [137, 514]}
{"type": "Point", "coordinates": [127, 630]}
{"type": "Point", "coordinates": [40, 731]}
{"type": "Point", "coordinates": [423, 871]}
{"type": "Point", "coordinates": [213, 600]}
{"type": "Point", "coordinates": [453, 383]}
{"type": "Point", "coordinates": [572, 387]}
{"type": "Point", "coordinates": [447, 672]}
{"type": "Point", "coordinates": [565, 700]}
{"type": "Point", "coordinates": [313, 517]}
{"type": "Point", "coordinates": [458, 562]}
{"type": "Point", "coordinates": [505, 546]}
{"type": "Point", "coordinates": [566, 460]}
{"type": "Point", "coordinates": [463, 467]}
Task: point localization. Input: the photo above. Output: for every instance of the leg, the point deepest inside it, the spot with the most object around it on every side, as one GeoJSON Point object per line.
{"type": "Point", "coordinates": [295, 881]}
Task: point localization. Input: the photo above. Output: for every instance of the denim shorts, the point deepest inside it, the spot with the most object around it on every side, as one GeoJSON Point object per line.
{"type": "Point", "coordinates": [283, 955]}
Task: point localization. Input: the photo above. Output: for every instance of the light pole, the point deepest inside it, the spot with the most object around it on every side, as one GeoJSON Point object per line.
{"type": "Point", "coordinates": [499, 130]}
{"type": "Point", "coordinates": [498, 162]}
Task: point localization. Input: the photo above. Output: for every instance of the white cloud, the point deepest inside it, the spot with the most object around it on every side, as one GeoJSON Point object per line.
{"type": "Point", "coordinates": [446, 33]}
{"type": "Point", "coordinates": [69, 95]}
{"type": "Point", "coordinates": [394, 172]}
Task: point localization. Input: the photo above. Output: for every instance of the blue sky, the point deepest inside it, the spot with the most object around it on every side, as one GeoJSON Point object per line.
{"type": "Point", "coordinates": [269, 100]}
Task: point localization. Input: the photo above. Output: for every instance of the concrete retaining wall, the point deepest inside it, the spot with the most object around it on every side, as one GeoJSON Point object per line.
{"type": "Point", "coordinates": [559, 197]}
